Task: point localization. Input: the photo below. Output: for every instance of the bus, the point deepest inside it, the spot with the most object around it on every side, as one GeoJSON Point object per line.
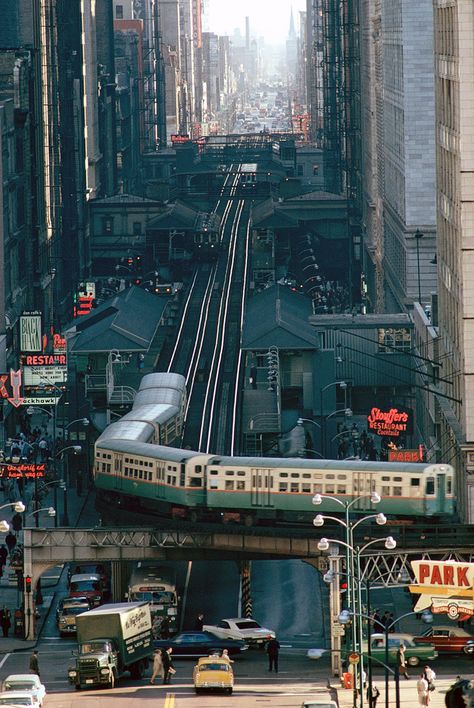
{"type": "Point", "coordinates": [156, 584]}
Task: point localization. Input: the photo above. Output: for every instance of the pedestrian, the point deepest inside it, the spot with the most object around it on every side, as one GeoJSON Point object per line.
{"type": "Point", "coordinates": [10, 540]}
{"type": "Point", "coordinates": [401, 661]}
{"type": "Point", "coordinates": [225, 655]}
{"type": "Point", "coordinates": [422, 688]}
{"type": "Point", "coordinates": [5, 620]}
{"type": "Point", "coordinates": [168, 668]}
{"type": "Point", "coordinates": [34, 665]}
{"type": "Point", "coordinates": [378, 626]}
{"type": "Point", "coordinates": [372, 694]}
{"type": "Point", "coordinates": [3, 554]}
{"type": "Point", "coordinates": [199, 623]}
{"type": "Point", "coordinates": [430, 676]}
{"type": "Point", "coordinates": [273, 648]}
{"type": "Point", "coordinates": [157, 665]}
{"type": "Point", "coordinates": [386, 621]}
{"type": "Point", "coordinates": [165, 628]}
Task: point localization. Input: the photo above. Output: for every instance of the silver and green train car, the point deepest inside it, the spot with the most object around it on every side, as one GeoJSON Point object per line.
{"type": "Point", "coordinates": [176, 482]}
{"type": "Point", "coordinates": [137, 469]}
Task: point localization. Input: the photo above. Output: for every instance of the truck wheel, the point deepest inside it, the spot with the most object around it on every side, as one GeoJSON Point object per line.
{"type": "Point", "coordinates": [229, 691]}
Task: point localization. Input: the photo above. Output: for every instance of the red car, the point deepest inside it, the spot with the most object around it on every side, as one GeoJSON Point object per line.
{"type": "Point", "coordinates": [448, 639]}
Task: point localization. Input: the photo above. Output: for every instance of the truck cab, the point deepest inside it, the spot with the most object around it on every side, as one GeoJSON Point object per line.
{"type": "Point", "coordinates": [97, 664]}
{"type": "Point", "coordinates": [87, 585]}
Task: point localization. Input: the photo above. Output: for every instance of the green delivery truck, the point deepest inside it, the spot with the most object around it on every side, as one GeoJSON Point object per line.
{"type": "Point", "coordinates": [112, 639]}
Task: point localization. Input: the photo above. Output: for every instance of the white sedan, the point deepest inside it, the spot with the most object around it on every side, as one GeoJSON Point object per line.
{"type": "Point", "coordinates": [244, 628]}
{"type": "Point", "coordinates": [18, 698]}
{"type": "Point", "coordinates": [23, 683]}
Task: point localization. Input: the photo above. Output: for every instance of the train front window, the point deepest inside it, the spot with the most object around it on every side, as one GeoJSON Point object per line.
{"type": "Point", "coordinates": [449, 485]}
{"type": "Point", "coordinates": [430, 486]}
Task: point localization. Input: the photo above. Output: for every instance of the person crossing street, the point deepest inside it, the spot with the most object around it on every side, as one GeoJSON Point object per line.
{"type": "Point", "coordinates": [273, 649]}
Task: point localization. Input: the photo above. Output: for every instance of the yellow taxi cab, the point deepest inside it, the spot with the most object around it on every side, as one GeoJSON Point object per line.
{"type": "Point", "coordinates": [213, 673]}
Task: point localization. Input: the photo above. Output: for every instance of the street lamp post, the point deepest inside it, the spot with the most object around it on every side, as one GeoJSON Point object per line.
{"type": "Point", "coordinates": [318, 521]}
{"type": "Point", "coordinates": [357, 629]}
{"type": "Point", "coordinates": [418, 236]}
{"type": "Point", "coordinates": [322, 419]}
{"type": "Point", "coordinates": [76, 449]}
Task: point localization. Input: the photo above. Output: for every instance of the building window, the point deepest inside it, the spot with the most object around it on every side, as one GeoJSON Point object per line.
{"type": "Point", "coordinates": [119, 12]}
{"type": "Point", "coordinates": [137, 228]}
{"type": "Point", "coordinates": [107, 225]}
{"type": "Point", "coordinates": [394, 340]}
{"type": "Point", "coordinates": [299, 170]}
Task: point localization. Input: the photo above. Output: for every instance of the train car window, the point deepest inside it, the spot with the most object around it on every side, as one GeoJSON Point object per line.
{"type": "Point", "coordinates": [317, 475]}
{"type": "Point", "coordinates": [415, 481]}
{"type": "Point", "coordinates": [213, 472]}
{"type": "Point", "coordinates": [213, 483]}
{"type": "Point", "coordinates": [330, 476]}
{"type": "Point", "coordinates": [135, 474]}
{"type": "Point", "coordinates": [449, 485]}
{"type": "Point", "coordinates": [140, 474]}
{"type": "Point", "coordinates": [229, 485]}
{"type": "Point", "coordinates": [430, 485]}
{"type": "Point", "coordinates": [305, 487]}
{"type": "Point", "coordinates": [341, 488]}
{"type": "Point", "coordinates": [294, 487]}
{"type": "Point", "coordinates": [385, 479]}
{"type": "Point", "coordinates": [283, 474]}
{"type": "Point", "coordinates": [240, 484]}
{"type": "Point", "coordinates": [341, 476]}
{"type": "Point", "coordinates": [195, 482]}
{"type": "Point", "coordinates": [329, 488]}
{"type": "Point", "coordinates": [385, 490]}
{"type": "Point", "coordinates": [283, 487]}
{"type": "Point", "coordinates": [295, 475]}
{"type": "Point", "coordinates": [317, 488]}
{"type": "Point", "coordinates": [116, 465]}
{"type": "Point", "coordinates": [127, 460]}
{"type": "Point", "coordinates": [241, 473]}
{"type": "Point", "coordinates": [197, 469]}
{"type": "Point", "coordinates": [398, 479]}
{"type": "Point", "coordinates": [306, 476]}
{"type": "Point", "coordinates": [229, 473]}
{"type": "Point", "coordinates": [397, 491]}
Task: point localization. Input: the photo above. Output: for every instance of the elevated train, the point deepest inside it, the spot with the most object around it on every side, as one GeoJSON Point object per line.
{"type": "Point", "coordinates": [136, 470]}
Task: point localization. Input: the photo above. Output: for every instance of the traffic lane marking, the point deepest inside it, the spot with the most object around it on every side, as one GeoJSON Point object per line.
{"type": "Point", "coordinates": [169, 700]}
{"type": "Point", "coordinates": [4, 660]}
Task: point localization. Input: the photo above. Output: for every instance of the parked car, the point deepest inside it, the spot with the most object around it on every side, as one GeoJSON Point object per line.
{"type": "Point", "coordinates": [213, 673]}
{"type": "Point", "coordinates": [414, 653]}
{"type": "Point", "coordinates": [448, 639]}
{"type": "Point", "coordinates": [18, 698]}
{"type": "Point", "coordinates": [199, 644]}
{"type": "Point", "coordinates": [244, 628]}
{"type": "Point", "coordinates": [25, 682]}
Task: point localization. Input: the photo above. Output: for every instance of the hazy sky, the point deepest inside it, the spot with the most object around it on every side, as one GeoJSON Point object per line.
{"type": "Point", "coordinates": [268, 18]}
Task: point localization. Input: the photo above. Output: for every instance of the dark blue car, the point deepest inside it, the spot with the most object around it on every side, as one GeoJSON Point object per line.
{"type": "Point", "coordinates": [199, 644]}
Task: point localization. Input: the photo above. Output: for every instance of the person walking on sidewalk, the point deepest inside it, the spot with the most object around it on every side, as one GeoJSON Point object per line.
{"type": "Point", "coordinates": [372, 694]}
{"type": "Point", "coordinates": [5, 620]}
{"type": "Point", "coordinates": [423, 692]}
{"type": "Point", "coordinates": [168, 668]}
{"type": "Point", "coordinates": [34, 664]}
{"type": "Point", "coordinates": [273, 648]}
{"type": "Point", "coordinates": [401, 661]}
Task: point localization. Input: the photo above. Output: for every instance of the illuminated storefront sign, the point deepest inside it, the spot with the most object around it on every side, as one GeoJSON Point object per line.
{"type": "Point", "coordinates": [392, 423]}
{"type": "Point", "coordinates": [26, 470]}
{"type": "Point", "coordinates": [406, 455]}
{"type": "Point", "coordinates": [445, 587]}
{"type": "Point", "coordinates": [15, 384]}
{"type": "Point", "coordinates": [30, 332]}
{"type": "Point", "coordinates": [179, 139]}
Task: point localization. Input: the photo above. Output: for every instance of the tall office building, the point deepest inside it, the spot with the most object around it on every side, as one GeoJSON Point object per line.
{"type": "Point", "coordinates": [398, 151]}
{"type": "Point", "coordinates": [454, 69]}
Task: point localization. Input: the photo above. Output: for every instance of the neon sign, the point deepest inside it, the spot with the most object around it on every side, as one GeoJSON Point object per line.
{"type": "Point", "coordinates": [26, 470]}
{"type": "Point", "coordinates": [392, 423]}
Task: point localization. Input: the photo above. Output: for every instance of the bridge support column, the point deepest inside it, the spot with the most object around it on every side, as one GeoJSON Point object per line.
{"type": "Point", "coordinates": [246, 595]}
{"type": "Point", "coordinates": [334, 612]}
{"type": "Point", "coordinates": [119, 580]}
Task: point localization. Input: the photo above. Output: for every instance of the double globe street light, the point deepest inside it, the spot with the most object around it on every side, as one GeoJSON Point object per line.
{"type": "Point", "coordinates": [19, 508]}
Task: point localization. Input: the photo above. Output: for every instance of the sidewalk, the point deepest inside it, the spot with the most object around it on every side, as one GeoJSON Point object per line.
{"type": "Point", "coordinates": [11, 597]}
{"type": "Point", "coordinates": [408, 694]}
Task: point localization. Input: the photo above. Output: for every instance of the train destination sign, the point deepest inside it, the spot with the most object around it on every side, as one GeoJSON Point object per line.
{"type": "Point", "coordinates": [392, 423]}
{"type": "Point", "coordinates": [26, 470]}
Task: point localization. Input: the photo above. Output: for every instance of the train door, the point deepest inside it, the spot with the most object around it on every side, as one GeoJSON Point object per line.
{"type": "Point", "coordinates": [118, 470]}
{"type": "Point", "coordinates": [261, 492]}
{"type": "Point", "coordinates": [441, 493]}
{"type": "Point", "coordinates": [363, 483]}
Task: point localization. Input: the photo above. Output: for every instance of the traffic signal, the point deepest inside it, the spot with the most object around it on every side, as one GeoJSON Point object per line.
{"type": "Point", "coordinates": [138, 281]}
{"type": "Point", "coordinates": [17, 522]}
{"type": "Point", "coordinates": [28, 584]}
